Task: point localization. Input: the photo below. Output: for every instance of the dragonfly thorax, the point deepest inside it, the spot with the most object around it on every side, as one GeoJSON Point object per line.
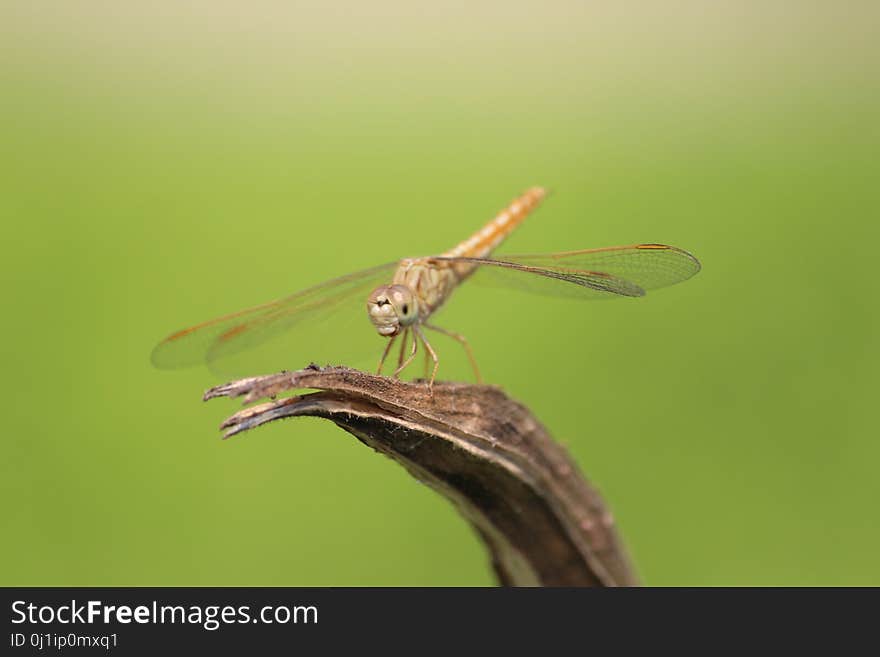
{"type": "Point", "coordinates": [391, 307]}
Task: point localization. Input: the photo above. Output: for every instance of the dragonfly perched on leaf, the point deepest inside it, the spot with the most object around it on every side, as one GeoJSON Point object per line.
{"type": "Point", "coordinates": [402, 296]}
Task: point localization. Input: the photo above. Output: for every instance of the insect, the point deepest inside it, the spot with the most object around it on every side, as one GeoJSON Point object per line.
{"type": "Point", "coordinates": [415, 288]}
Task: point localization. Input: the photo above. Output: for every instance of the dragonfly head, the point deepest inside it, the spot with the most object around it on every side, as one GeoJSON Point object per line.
{"type": "Point", "coordinates": [391, 307]}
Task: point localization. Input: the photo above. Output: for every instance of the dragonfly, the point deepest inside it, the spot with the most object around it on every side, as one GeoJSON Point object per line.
{"type": "Point", "coordinates": [402, 296]}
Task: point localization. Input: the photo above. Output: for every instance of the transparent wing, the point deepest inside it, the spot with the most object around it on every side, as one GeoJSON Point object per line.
{"type": "Point", "coordinates": [309, 312]}
{"type": "Point", "coordinates": [589, 274]}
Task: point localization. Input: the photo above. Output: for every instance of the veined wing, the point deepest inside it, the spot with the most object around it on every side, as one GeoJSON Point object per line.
{"type": "Point", "coordinates": [590, 274]}
{"type": "Point", "coordinates": [230, 334]}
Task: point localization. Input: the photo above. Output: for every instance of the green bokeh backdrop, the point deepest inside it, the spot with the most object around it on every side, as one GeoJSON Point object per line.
{"type": "Point", "coordinates": [164, 164]}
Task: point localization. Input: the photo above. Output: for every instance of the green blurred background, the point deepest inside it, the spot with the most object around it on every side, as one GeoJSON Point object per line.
{"type": "Point", "coordinates": [167, 162]}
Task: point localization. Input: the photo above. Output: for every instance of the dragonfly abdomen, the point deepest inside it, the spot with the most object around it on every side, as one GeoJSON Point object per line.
{"type": "Point", "coordinates": [487, 239]}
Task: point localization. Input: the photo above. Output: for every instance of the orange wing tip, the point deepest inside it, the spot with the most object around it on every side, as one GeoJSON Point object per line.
{"type": "Point", "coordinates": [179, 334]}
{"type": "Point", "coordinates": [231, 333]}
{"type": "Point", "coordinates": [662, 247]}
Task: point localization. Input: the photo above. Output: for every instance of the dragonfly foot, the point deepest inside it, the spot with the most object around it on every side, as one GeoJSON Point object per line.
{"type": "Point", "coordinates": [421, 336]}
{"type": "Point", "coordinates": [402, 363]}
{"type": "Point", "coordinates": [464, 343]}
{"type": "Point", "coordinates": [385, 354]}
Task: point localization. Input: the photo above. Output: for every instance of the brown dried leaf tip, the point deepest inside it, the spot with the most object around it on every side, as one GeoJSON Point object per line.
{"type": "Point", "coordinates": [542, 522]}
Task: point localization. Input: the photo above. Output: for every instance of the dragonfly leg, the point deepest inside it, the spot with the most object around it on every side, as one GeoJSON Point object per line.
{"type": "Point", "coordinates": [402, 351]}
{"type": "Point", "coordinates": [464, 343]}
{"type": "Point", "coordinates": [385, 354]}
{"type": "Point", "coordinates": [427, 364]}
{"type": "Point", "coordinates": [433, 353]}
{"type": "Point", "coordinates": [403, 365]}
